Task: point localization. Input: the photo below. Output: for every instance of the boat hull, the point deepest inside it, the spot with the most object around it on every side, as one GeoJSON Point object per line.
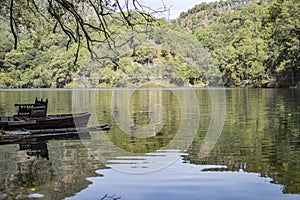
{"type": "Point", "coordinates": [49, 122]}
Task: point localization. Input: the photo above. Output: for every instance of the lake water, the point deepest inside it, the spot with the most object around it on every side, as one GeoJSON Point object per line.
{"type": "Point", "coordinates": [163, 144]}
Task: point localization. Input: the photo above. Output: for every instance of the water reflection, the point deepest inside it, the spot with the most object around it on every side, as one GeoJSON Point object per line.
{"type": "Point", "coordinates": [261, 135]}
{"type": "Point", "coordinates": [257, 155]}
{"type": "Point", "coordinates": [37, 148]}
{"type": "Point", "coordinates": [51, 168]}
{"type": "Point", "coordinates": [180, 181]}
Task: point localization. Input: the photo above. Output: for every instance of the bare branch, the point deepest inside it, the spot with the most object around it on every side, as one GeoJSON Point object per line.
{"type": "Point", "coordinates": [113, 197]}
{"type": "Point", "coordinates": [71, 17]}
{"type": "Point", "coordinates": [13, 24]}
{"type": "Point", "coordinates": [65, 29]}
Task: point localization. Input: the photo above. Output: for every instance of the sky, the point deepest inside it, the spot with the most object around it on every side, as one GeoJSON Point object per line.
{"type": "Point", "coordinates": [176, 6]}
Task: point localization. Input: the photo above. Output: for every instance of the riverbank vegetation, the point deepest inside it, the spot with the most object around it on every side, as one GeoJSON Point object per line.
{"type": "Point", "coordinates": [234, 42]}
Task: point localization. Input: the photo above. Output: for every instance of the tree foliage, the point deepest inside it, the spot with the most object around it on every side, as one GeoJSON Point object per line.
{"type": "Point", "coordinates": [244, 42]}
{"type": "Point", "coordinates": [283, 24]}
{"type": "Point", "coordinates": [160, 55]}
{"type": "Point", "coordinates": [77, 19]}
{"type": "Point", "coordinates": [249, 40]}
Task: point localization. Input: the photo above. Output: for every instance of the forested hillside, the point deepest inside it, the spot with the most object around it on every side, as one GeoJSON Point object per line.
{"type": "Point", "coordinates": [252, 42]}
{"type": "Point", "coordinates": [160, 56]}
{"type": "Point", "coordinates": [233, 42]}
{"type": "Point", "coordinates": [203, 14]}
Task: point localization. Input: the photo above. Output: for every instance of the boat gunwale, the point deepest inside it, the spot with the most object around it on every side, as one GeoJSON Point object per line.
{"type": "Point", "coordinates": [48, 117]}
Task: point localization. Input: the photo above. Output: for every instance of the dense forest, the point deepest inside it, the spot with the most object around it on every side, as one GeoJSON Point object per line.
{"type": "Point", "coordinates": [252, 42]}
{"type": "Point", "coordinates": [234, 42]}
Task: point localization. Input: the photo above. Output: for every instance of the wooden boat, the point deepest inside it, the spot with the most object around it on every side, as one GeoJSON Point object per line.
{"type": "Point", "coordinates": [21, 136]}
{"type": "Point", "coordinates": [51, 121]}
{"type": "Point", "coordinates": [34, 117]}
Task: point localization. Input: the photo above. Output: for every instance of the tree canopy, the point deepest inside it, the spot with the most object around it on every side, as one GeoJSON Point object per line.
{"type": "Point", "coordinates": [79, 20]}
{"type": "Point", "coordinates": [244, 42]}
{"type": "Point", "coordinates": [251, 41]}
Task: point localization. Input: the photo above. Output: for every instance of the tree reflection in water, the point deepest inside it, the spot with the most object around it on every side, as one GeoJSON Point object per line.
{"type": "Point", "coordinates": [54, 169]}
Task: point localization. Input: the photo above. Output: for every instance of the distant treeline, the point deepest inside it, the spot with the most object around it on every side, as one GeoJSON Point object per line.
{"type": "Point", "coordinates": [214, 5]}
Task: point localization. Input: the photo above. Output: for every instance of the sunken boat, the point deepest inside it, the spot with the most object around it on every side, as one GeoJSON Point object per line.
{"type": "Point", "coordinates": [34, 117]}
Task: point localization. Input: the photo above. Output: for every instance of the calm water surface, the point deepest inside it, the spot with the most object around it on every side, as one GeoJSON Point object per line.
{"type": "Point", "coordinates": [163, 144]}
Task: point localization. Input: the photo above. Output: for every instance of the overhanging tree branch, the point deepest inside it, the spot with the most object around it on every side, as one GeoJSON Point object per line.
{"type": "Point", "coordinates": [73, 17]}
{"type": "Point", "coordinates": [13, 24]}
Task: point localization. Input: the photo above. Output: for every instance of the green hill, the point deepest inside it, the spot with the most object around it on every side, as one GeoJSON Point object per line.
{"type": "Point", "coordinates": [252, 42]}
{"type": "Point", "coordinates": [235, 43]}
{"type": "Point", "coordinates": [159, 56]}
